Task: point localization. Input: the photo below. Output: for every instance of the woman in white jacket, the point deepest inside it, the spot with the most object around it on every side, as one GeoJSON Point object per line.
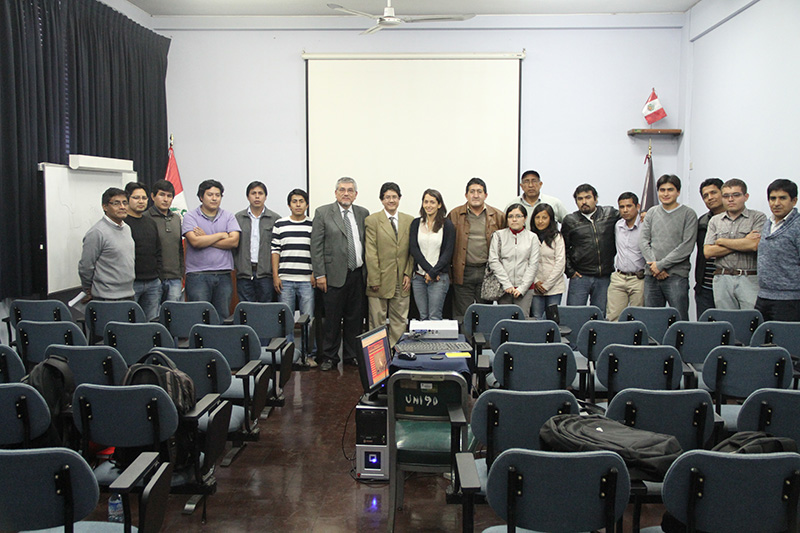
{"type": "Point", "coordinates": [549, 285]}
{"type": "Point", "coordinates": [514, 258]}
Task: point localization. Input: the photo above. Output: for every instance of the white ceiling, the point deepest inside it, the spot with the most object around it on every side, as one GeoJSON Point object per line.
{"type": "Point", "coordinates": [283, 8]}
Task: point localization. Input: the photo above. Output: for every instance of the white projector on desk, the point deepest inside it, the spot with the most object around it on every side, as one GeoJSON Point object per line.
{"type": "Point", "coordinates": [434, 329]}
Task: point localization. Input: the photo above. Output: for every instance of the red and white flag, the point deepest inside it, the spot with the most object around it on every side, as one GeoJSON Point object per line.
{"type": "Point", "coordinates": [174, 177]}
{"type": "Point", "coordinates": [652, 110]}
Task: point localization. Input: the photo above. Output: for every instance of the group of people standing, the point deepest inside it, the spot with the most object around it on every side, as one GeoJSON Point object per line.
{"type": "Point", "coordinates": [612, 256]}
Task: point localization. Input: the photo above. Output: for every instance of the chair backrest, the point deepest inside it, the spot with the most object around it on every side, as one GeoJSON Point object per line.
{"type": "Point", "coordinates": [34, 483]}
{"type": "Point", "coordinates": [534, 367]}
{"type": "Point", "coordinates": [657, 319]}
{"type": "Point", "coordinates": [776, 411]}
{"type": "Point", "coordinates": [124, 415]}
{"type": "Point", "coordinates": [694, 340]}
{"type": "Point", "coordinates": [207, 367]}
{"type": "Point", "coordinates": [39, 310]}
{"type": "Point", "coordinates": [735, 493]}
{"type": "Point", "coordinates": [744, 321]}
{"type": "Point", "coordinates": [98, 364]}
{"type": "Point", "coordinates": [34, 338]}
{"type": "Point", "coordinates": [11, 367]}
{"type": "Point", "coordinates": [179, 317]}
{"type": "Point", "coordinates": [530, 331]}
{"type": "Point", "coordinates": [239, 344]}
{"type": "Point", "coordinates": [785, 334]}
{"type": "Point", "coordinates": [558, 491]}
{"type": "Point", "coordinates": [99, 313]}
{"type": "Point", "coordinates": [482, 317]}
{"type": "Point", "coordinates": [597, 334]}
{"type": "Point", "coordinates": [645, 367]}
{"type": "Point", "coordinates": [686, 414]}
{"type": "Point", "coordinates": [739, 371]}
{"type": "Point", "coordinates": [269, 320]}
{"type": "Point", "coordinates": [503, 419]}
{"type": "Point", "coordinates": [24, 415]}
{"type": "Point", "coordinates": [134, 340]}
{"type": "Point", "coordinates": [575, 316]}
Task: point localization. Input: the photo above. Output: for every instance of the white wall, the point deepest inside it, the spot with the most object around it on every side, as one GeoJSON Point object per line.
{"type": "Point", "coordinates": [744, 84]}
{"type": "Point", "coordinates": [236, 99]}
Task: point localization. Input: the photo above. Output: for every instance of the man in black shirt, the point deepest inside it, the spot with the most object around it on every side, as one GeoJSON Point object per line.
{"type": "Point", "coordinates": [147, 285]}
{"type": "Point", "coordinates": [711, 191]}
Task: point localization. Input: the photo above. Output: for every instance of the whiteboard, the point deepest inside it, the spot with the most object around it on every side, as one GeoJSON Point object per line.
{"type": "Point", "coordinates": [422, 123]}
{"type": "Point", "coordinates": [73, 204]}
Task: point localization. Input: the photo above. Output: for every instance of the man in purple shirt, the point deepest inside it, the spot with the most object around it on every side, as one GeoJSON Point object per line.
{"type": "Point", "coordinates": [627, 280]}
{"type": "Point", "coordinates": [211, 233]}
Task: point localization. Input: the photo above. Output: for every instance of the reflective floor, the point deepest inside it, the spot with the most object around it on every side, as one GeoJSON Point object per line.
{"type": "Point", "coordinates": [297, 478]}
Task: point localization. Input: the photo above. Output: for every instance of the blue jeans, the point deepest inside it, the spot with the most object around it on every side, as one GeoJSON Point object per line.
{"type": "Point", "coordinates": [148, 295]}
{"type": "Point", "coordinates": [582, 288]}
{"type": "Point", "coordinates": [171, 290]}
{"type": "Point", "coordinates": [216, 289]}
{"type": "Point", "coordinates": [298, 292]}
{"type": "Point", "coordinates": [673, 290]}
{"type": "Point", "coordinates": [429, 297]}
{"type": "Point", "coordinates": [255, 290]}
{"type": "Point", "coordinates": [540, 303]}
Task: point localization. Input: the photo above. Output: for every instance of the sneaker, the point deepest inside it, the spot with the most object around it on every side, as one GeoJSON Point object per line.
{"type": "Point", "coordinates": [326, 365]}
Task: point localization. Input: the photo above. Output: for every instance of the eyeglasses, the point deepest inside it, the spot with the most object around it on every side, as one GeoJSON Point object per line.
{"type": "Point", "coordinates": [729, 195]}
{"type": "Point", "coordinates": [515, 216]}
{"type": "Point", "coordinates": [117, 203]}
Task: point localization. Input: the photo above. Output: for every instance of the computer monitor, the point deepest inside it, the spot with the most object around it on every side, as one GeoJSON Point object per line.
{"type": "Point", "coordinates": [373, 362]}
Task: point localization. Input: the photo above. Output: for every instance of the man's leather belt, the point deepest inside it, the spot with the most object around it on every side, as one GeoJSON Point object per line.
{"type": "Point", "coordinates": [637, 273]}
{"type": "Point", "coordinates": [734, 272]}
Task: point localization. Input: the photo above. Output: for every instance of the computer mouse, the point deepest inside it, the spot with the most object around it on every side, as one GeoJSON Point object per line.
{"type": "Point", "coordinates": [408, 356]}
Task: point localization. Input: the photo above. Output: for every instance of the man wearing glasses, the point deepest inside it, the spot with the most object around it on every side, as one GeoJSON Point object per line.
{"type": "Point", "coordinates": [531, 185]}
{"type": "Point", "coordinates": [732, 240]}
{"type": "Point", "coordinates": [106, 267]}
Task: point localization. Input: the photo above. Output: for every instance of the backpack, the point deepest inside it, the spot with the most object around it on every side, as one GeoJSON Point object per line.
{"type": "Point", "coordinates": [647, 455]}
{"type": "Point", "coordinates": [180, 388]}
{"type": "Point", "coordinates": [53, 379]}
{"type": "Point", "coordinates": [755, 442]}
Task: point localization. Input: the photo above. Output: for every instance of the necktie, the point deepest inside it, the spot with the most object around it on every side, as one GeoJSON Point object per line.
{"type": "Point", "coordinates": [351, 245]}
{"type": "Point", "coordinates": [394, 225]}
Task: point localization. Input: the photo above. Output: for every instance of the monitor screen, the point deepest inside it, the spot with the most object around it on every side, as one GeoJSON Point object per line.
{"type": "Point", "coordinates": [373, 364]}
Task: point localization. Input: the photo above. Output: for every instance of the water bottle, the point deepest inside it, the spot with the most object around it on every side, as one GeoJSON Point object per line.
{"type": "Point", "coordinates": [115, 510]}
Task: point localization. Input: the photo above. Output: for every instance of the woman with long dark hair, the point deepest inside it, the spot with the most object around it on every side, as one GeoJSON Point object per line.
{"type": "Point", "coordinates": [549, 284]}
{"type": "Point", "coordinates": [431, 244]}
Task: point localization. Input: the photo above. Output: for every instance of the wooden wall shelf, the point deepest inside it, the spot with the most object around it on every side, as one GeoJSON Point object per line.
{"type": "Point", "coordinates": [651, 132]}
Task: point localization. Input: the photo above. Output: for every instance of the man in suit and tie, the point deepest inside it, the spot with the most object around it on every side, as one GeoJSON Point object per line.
{"type": "Point", "coordinates": [337, 258]}
{"type": "Point", "coordinates": [389, 264]}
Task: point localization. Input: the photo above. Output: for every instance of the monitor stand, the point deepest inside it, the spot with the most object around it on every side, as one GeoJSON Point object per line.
{"type": "Point", "coordinates": [374, 399]}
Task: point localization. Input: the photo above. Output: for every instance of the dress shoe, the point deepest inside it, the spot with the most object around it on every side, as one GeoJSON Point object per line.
{"type": "Point", "coordinates": [351, 362]}
{"type": "Point", "coordinates": [326, 365]}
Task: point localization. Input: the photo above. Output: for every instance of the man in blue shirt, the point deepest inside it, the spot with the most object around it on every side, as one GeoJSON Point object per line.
{"type": "Point", "coordinates": [627, 280]}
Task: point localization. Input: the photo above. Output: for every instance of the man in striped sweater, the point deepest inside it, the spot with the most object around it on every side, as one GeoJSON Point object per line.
{"type": "Point", "coordinates": [291, 257]}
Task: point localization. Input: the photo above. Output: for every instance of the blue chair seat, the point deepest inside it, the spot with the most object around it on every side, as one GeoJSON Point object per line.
{"type": "Point", "coordinates": [236, 390]}
{"type": "Point", "coordinates": [236, 421]}
{"type": "Point", "coordinates": [422, 443]}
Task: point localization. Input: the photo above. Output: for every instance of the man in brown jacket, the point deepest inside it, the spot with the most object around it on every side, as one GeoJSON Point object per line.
{"type": "Point", "coordinates": [475, 222]}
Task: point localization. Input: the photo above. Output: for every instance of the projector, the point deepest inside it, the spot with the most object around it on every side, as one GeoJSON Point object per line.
{"type": "Point", "coordinates": [434, 329]}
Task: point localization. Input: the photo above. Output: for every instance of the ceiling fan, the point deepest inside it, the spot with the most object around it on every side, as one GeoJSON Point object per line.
{"type": "Point", "coordinates": [390, 20]}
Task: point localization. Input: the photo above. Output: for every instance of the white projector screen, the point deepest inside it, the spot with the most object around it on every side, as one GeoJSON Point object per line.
{"type": "Point", "coordinates": [419, 121]}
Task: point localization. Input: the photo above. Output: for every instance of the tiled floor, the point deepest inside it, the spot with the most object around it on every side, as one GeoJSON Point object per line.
{"type": "Point", "coordinates": [297, 478]}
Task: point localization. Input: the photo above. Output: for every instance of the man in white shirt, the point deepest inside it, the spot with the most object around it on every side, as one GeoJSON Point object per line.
{"type": "Point", "coordinates": [531, 185]}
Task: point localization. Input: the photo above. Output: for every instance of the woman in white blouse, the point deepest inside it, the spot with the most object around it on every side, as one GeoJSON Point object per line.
{"type": "Point", "coordinates": [431, 241]}
{"type": "Point", "coordinates": [549, 284]}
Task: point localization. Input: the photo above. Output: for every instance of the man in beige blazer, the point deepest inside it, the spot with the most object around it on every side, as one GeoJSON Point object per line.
{"type": "Point", "coordinates": [389, 263]}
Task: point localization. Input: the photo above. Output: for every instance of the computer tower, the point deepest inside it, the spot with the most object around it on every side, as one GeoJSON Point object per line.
{"type": "Point", "coordinates": [372, 450]}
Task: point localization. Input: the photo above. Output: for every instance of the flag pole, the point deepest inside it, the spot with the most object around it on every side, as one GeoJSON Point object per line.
{"type": "Point", "coordinates": [171, 140]}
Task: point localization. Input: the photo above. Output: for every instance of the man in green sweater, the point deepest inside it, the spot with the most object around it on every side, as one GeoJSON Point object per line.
{"type": "Point", "coordinates": [667, 239]}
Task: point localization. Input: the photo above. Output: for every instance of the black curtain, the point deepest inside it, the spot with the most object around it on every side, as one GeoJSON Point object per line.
{"type": "Point", "coordinates": [75, 77]}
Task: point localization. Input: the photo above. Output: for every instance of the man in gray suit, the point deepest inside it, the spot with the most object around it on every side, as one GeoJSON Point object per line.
{"type": "Point", "coordinates": [337, 258]}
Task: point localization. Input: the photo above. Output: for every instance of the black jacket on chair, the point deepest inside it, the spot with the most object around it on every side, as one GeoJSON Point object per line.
{"type": "Point", "coordinates": [590, 246]}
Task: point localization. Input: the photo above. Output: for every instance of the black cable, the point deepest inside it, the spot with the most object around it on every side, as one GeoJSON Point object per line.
{"type": "Point", "coordinates": [344, 433]}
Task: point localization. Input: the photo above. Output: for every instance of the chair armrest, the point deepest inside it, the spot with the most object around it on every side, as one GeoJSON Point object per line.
{"type": "Point", "coordinates": [134, 473]}
{"type": "Point", "coordinates": [303, 320]}
{"type": "Point", "coordinates": [457, 416]}
{"type": "Point", "coordinates": [275, 344]}
{"type": "Point", "coordinates": [478, 340]}
{"type": "Point", "coordinates": [249, 370]}
{"type": "Point", "coordinates": [228, 321]}
{"type": "Point", "coordinates": [467, 472]}
{"type": "Point", "coordinates": [483, 363]}
{"type": "Point", "coordinates": [203, 406]}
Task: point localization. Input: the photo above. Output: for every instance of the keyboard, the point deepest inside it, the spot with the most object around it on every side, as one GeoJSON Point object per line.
{"type": "Point", "coordinates": [432, 346]}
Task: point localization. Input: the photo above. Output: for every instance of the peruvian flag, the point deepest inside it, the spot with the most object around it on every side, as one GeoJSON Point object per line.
{"type": "Point", "coordinates": [174, 177]}
{"type": "Point", "coordinates": [652, 110]}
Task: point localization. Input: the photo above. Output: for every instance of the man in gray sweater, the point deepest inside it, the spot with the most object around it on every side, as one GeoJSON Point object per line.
{"type": "Point", "coordinates": [106, 267]}
{"type": "Point", "coordinates": [667, 239]}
